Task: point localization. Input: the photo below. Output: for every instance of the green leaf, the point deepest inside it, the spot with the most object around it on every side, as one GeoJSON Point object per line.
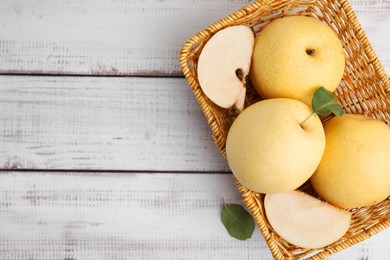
{"type": "Point", "coordinates": [324, 102]}
{"type": "Point", "coordinates": [238, 222]}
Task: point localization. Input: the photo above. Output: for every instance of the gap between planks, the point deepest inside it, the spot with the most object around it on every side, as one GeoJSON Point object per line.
{"type": "Point", "coordinates": [56, 74]}
{"type": "Point", "coordinates": [50, 171]}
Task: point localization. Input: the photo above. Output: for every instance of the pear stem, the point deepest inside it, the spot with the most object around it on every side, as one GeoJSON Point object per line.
{"type": "Point", "coordinates": [310, 51]}
{"type": "Point", "coordinates": [307, 118]}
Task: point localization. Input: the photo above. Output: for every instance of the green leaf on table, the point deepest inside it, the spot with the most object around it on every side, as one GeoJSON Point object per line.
{"type": "Point", "coordinates": [238, 222]}
{"type": "Point", "coordinates": [324, 102]}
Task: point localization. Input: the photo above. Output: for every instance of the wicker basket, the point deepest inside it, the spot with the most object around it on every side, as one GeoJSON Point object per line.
{"type": "Point", "coordinates": [365, 89]}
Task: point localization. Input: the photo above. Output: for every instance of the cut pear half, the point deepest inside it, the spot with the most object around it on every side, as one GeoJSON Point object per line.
{"type": "Point", "coordinates": [224, 64]}
{"type": "Point", "coordinates": [305, 221]}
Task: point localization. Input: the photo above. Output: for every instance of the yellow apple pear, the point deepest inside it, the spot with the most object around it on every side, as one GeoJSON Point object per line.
{"type": "Point", "coordinates": [355, 168]}
{"type": "Point", "coordinates": [295, 55]}
{"type": "Point", "coordinates": [268, 148]}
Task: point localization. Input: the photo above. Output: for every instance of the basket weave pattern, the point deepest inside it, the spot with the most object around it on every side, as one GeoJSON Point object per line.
{"type": "Point", "coordinates": [365, 89]}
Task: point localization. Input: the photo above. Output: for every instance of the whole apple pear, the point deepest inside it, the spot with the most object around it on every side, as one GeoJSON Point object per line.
{"type": "Point", "coordinates": [355, 168]}
{"type": "Point", "coordinates": [268, 148]}
{"type": "Point", "coordinates": [295, 55]}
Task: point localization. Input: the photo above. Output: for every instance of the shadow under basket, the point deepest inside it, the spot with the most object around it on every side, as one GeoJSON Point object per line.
{"type": "Point", "coordinates": [364, 89]}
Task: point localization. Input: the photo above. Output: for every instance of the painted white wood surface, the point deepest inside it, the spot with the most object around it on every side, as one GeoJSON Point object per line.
{"type": "Point", "coordinates": [100, 36]}
{"type": "Point", "coordinates": [128, 37]}
{"type": "Point", "coordinates": [130, 216]}
{"type": "Point", "coordinates": [103, 123]}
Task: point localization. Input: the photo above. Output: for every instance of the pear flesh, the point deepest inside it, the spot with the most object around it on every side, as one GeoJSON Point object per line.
{"type": "Point", "coordinates": [224, 64]}
{"type": "Point", "coordinates": [305, 221]}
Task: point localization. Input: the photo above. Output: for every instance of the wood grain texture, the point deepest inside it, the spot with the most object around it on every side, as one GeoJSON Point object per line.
{"type": "Point", "coordinates": [130, 216]}
{"type": "Point", "coordinates": [121, 37]}
{"type": "Point", "coordinates": [102, 37]}
{"type": "Point", "coordinates": [118, 216]}
{"type": "Point", "coordinates": [103, 123]}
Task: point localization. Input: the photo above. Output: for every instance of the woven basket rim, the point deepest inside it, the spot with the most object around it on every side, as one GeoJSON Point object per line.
{"type": "Point", "coordinates": [250, 199]}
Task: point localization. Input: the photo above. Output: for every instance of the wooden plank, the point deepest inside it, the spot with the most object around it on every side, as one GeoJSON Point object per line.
{"type": "Point", "coordinates": [130, 216]}
{"type": "Point", "coordinates": [102, 37]}
{"type": "Point", "coordinates": [118, 216]}
{"type": "Point", "coordinates": [103, 123]}
{"type": "Point", "coordinates": [121, 37]}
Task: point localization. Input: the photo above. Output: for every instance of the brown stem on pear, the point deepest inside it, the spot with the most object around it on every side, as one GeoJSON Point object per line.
{"type": "Point", "coordinates": [310, 51]}
{"type": "Point", "coordinates": [307, 118]}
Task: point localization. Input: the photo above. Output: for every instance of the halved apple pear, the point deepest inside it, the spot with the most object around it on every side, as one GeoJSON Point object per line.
{"type": "Point", "coordinates": [305, 221]}
{"type": "Point", "coordinates": [224, 65]}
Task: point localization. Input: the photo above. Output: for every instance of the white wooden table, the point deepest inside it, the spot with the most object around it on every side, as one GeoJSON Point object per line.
{"type": "Point", "coordinates": [104, 152]}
